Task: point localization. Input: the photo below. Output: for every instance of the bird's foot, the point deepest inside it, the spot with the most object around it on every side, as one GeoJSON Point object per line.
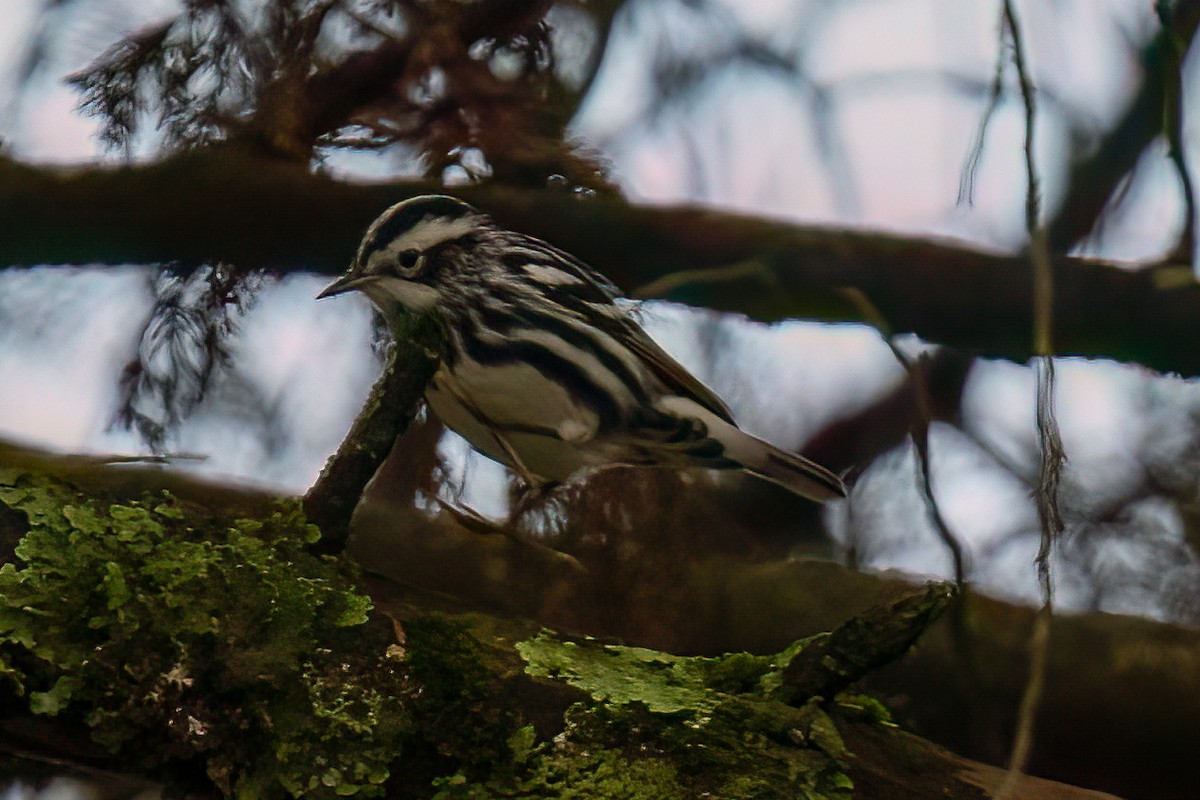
{"type": "Point", "coordinates": [473, 521]}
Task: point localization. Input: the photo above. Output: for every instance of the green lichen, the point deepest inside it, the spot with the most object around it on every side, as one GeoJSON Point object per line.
{"type": "Point", "coordinates": [712, 719]}
{"type": "Point", "coordinates": [865, 707]}
{"type": "Point", "coordinates": [664, 683]}
{"type": "Point", "coordinates": [187, 639]}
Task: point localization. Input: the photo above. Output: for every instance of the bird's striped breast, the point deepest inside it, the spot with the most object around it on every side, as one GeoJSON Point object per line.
{"type": "Point", "coordinates": [582, 360]}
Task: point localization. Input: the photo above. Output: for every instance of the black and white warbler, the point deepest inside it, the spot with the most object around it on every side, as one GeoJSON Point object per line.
{"type": "Point", "coordinates": [543, 370]}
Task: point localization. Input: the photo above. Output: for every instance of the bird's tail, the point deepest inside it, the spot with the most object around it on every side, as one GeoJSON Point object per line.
{"type": "Point", "coordinates": [790, 470]}
{"type": "Point", "coordinates": [795, 472]}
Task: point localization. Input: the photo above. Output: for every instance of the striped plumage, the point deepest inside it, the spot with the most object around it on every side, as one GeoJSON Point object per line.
{"type": "Point", "coordinates": [545, 370]}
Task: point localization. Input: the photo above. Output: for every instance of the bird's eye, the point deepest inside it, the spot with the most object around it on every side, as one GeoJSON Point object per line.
{"type": "Point", "coordinates": [408, 258]}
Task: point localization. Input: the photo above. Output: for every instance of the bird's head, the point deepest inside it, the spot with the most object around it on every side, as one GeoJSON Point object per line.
{"type": "Point", "coordinates": [397, 262]}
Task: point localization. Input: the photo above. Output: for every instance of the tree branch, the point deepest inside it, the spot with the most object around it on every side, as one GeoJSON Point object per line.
{"type": "Point", "coordinates": [1128, 684]}
{"type": "Point", "coordinates": [331, 501]}
{"type": "Point", "coordinates": [223, 204]}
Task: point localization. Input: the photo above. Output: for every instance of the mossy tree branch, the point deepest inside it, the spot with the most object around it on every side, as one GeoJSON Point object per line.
{"type": "Point", "coordinates": [1130, 678]}
{"type": "Point", "coordinates": [305, 694]}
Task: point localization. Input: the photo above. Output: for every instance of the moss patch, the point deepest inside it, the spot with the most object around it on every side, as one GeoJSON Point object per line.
{"type": "Point", "coordinates": [198, 647]}
{"type": "Point", "coordinates": [711, 719]}
{"type": "Point", "coordinates": [664, 683]}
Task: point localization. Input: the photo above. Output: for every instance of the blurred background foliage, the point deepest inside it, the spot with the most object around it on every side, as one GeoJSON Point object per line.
{"type": "Point", "coordinates": [872, 146]}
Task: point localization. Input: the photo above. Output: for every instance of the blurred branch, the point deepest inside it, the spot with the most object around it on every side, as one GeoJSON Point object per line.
{"type": "Point", "coordinates": [517, 124]}
{"type": "Point", "coordinates": [263, 213]}
{"type": "Point", "coordinates": [1118, 730]}
{"type": "Point", "coordinates": [883, 425]}
{"type": "Point", "coordinates": [921, 420]}
{"type": "Point", "coordinates": [920, 439]}
{"type": "Point", "coordinates": [1095, 179]}
{"type": "Point", "coordinates": [260, 76]}
{"type": "Point", "coordinates": [1174, 51]}
{"type": "Point", "coordinates": [603, 12]}
{"type": "Point", "coordinates": [966, 181]}
{"type": "Point", "coordinates": [331, 97]}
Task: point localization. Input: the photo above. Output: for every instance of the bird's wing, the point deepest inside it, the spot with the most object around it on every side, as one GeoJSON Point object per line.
{"type": "Point", "coordinates": [598, 299]}
{"type": "Point", "coordinates": [672, 374]}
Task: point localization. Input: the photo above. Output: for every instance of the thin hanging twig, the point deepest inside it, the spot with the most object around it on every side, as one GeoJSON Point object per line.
{"type": "Point", "coordinates": [966, 179]}
{"type": "Point", "coordinates": [1052, 455]}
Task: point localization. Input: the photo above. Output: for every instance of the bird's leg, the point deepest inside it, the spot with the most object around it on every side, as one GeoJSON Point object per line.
{"type": "Point", "coordinates": [470, 519]}
{"type": "Point", "coordinates": [474, 522]}
{"type": "Point", "coordinates": [514, 460]}
{"type": "Point", "coordinates": [530, 495]}
{"type": "Point", "coordinates": [535, 489]}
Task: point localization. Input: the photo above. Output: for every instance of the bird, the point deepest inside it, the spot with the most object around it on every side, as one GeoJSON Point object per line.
{"type": "Point", "coordinates": [545, 366]}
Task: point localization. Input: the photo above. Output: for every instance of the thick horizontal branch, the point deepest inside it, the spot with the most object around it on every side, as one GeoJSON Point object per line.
{"type": "Point", "coordinates": [1120, 690]}
{"type": "Point", "coordinates": [222, 205]}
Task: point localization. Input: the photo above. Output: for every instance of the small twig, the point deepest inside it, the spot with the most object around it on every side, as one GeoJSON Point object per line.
{"type": "Point", "coordinates": [389, 410]}
{"type": "Point", "coordinates": [1039, 648]}
{"type": "Point", "coordinates": [920, 440]}
{"type": "Point", "coordinates": [69, 763]}
{"type": "Point", "coordinates": [1094, 178]}
{"type": "Point", "coordinates": [1050, 473]}
{"type": "Point", "coordinates": [674, 281]}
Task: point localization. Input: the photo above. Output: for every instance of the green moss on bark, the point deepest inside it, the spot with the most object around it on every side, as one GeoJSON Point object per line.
{"type": "Point", "coordinates": [219, 652]}
{"type": "Point", "coordinates": [711, 719]}
{"type": "Point", "coordinates": [198, 647]}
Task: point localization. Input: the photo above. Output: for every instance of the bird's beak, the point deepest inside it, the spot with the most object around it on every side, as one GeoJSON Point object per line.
{"type": "Point", "coordinates": [346, 283]}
